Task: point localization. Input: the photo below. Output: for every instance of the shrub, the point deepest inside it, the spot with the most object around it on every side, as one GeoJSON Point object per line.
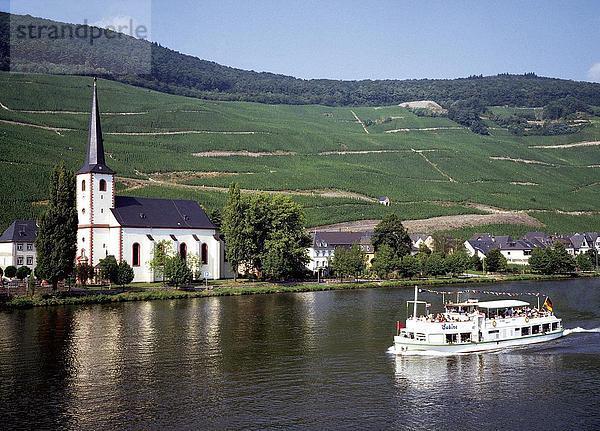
{"type": "Point", "coordinates": [125, 273]}
{"type": "Point", "coordinates": [10, 271]}
{"type": "Point", "coordinates": [23, 272]}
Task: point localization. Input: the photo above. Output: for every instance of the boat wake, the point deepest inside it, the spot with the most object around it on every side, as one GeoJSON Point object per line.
{"type": "Point", "coordinates": [580, 330]}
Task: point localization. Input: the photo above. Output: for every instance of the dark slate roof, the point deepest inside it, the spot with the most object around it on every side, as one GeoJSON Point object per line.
{"type": "Point", "coordinates": [327, 240]}
{"type": "Point", "coordinates": [487, 242]}
{"type": "Point", "coordinates": [20, 231]}
{"type": "Point", "coordinates": [160, 213]}
{"type": "Point", "coordinates": [94, 155]}
{"type": "Point", "coordinates": [578, 240]}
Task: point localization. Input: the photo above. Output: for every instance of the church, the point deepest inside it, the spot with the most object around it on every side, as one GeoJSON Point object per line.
{"type": "Point", "coordinates": [129, 227]}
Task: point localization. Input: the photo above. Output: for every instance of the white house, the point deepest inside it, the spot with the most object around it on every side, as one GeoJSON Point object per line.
{"type": "Point", "coordinates": [129, 227]}
{"type": "Point", "coordinates": [17, 244]}
{"type": "Point", "coordinates": [516, 251]}
{"type": "Point", "coordinates": [419, 239]}
{"type": "Point", "coordinates": [324, 244]}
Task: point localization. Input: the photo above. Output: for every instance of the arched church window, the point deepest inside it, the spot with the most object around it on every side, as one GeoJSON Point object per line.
{"type": "Point", "coordinates": [183, 250]}
{"type": "Point", "coordinates": [135, 260]}
{"type": "Point", "coordinates": [204, 254]}
{"type": "Point", "coordinates": [83, 186]}
{"type": "Point", "coordinates": [102, 185]}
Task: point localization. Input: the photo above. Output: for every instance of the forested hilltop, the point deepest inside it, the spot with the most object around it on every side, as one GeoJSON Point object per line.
{"type": "Point", "coordinates": [117, 58]}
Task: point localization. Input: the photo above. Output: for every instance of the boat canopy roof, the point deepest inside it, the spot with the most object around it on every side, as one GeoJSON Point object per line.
{"type": "Point", "coordinates": [503, 303]}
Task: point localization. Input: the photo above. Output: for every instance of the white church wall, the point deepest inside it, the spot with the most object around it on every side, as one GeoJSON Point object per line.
{"type": "Point", "coordinates": [6, 254]}
{"type": "Point", "coordinates": [143, 272]}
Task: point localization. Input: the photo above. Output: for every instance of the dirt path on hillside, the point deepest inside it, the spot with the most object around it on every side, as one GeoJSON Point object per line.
{"type": "Point", "coordinates": [243, 153]}
{"type": "Point", "coordinates": [23, 111]}
{"type": "Point", "coordinates": [435, 166]}
{"type": "Point", "coordinates": [434, 224]}
{"type": "Point", "coordinates": [56, 130]}
{"type": "Point", "coordinates": [526, 161]}
{"type": "Point", "coordinates": [422, 129]}
{"type": "Point", "coordinates": [160, 179]}
{"type": "Point", "coordinates": [360, 121]}
{"type": "Point", "coordinates": [182, 132]}
{"type": "Point", "coordinates": [574, 145]}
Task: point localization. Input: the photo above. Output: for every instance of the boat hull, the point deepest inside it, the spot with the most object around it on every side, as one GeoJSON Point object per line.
{"type": "Point", "coordinates": [404, 346]}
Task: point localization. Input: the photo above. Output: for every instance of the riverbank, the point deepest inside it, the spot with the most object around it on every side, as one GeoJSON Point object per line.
{"type": "Point", "coordinates": [229, 288]}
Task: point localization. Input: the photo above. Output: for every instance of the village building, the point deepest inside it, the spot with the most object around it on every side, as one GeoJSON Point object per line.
{"type": "Point", "coordinates": [17, 245]}
{"type": "Point", "coordinates": [518, 251]}
{"type": "Point", "coordinates": [130, 227]}
{"type": "Point", "coordinates": [324, 244]}
{"type": "Point", "coordinates": [418, 240]}
{"type": "Point", "coordinates": [385, 201]}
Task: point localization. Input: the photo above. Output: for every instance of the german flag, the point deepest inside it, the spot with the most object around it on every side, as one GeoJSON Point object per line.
{"type": "Point", "coordinates": [548, 304]}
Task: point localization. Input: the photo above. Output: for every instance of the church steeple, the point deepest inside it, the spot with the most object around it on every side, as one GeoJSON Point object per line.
{"type": "Point", "coordinates": [94, 156]}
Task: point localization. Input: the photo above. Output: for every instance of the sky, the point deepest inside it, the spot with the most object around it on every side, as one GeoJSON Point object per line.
{"type": "Point", "coordinates": [378, 39]}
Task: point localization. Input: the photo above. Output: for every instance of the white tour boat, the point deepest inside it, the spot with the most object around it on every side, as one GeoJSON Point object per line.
{"type": "Point", "coordinates": [476, 326]}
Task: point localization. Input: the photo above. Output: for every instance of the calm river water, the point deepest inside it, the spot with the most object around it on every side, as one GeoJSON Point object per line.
{"type": "Point", "coordinates": [288, 361]}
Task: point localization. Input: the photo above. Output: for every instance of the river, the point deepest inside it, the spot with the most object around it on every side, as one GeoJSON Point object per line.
{"type": "Point", "coordinates": [316, 360]}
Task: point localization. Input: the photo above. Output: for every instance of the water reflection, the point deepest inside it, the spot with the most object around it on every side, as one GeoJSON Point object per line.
{"type": "Point", "coordinates": [308, 361]}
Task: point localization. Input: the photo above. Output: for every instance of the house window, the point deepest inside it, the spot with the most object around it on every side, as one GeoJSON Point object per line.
{"type": "Point", "coordinates": [83, 186]}
{"type": "Point", "coordinates": [29, 247]}
{"type": "Point", "coordinates": [183, 250]}
{"type": "Point", "coordinates": [204, 254]}
{"type": "Point", "coordinates": [29, 260]}
{"type": "Point", "coordinates": [20, 261]}
{"type": "Point", "coordinates": [102, 185]}
{"type": "Point", "coordinates": [19, 247]}
{"type": "Point", "coordinates": [135, 260]}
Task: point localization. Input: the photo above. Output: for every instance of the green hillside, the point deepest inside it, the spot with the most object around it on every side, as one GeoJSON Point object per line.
{"type": "Point", "coordinates": [151, 65]}
{"type": "Point", "coordinates": [161, 145]}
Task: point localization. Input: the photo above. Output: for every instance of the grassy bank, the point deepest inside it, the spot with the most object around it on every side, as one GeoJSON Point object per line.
{"type": "Point", "coordinates": [229, 288]}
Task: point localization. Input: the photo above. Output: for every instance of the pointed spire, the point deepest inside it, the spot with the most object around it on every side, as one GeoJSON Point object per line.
{"type": "Point", "coordinates": [94, 156]}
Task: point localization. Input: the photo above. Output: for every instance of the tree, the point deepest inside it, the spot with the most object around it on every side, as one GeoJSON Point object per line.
{"type": "Point", "coordinates": [409, 266]}
{"type": "Point", "coordinates": [444, 244]}
{"type": "Point", "coordinates": [385, 261]}
{"type": "Point", "coordinates": [285, 257]}
{"type": "Point", "coordinates": [84, 272]}
{"type": "Point", "coordinates": [265, 233]}
{"type": "Point", "coordinates": [458, 262]}
{"type": "Point", "coordinates": [125, 273]}
{"type": "Point", "coordinates": [10, 271]}
{"type": "Point", "coordinates": [348, 261]}
{"type": "Point", "coordinates": [234, 229]}
{"type": "Point", "coordinates": [552, 260]}
{"type": "Point", "coordinates": [495, 261]}
{"type": "Point", "coordinates": [475, 263]}
{"type": "Point", "coordinates": [177, 272]}
{"type": "Point", "coordinates": [435, 264]}
{"type": "Point", "coordinates": [391, 232]}
{"type": "Point", "coordinates": [109, 269]}
{"type": "Point", "coordinates": [584, 262]}
{"type": "Point", "coordinates": [23, 272]}
{"type": "Point", "coordinates": [56, 242]}
{"type": "Point", "coordinates": [562, 262]}
{"type": "Point", "coordinates": [161, 253]}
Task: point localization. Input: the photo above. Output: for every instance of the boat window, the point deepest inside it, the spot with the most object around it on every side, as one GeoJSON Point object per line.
{"type": "Point", "coordinates": [545, 327]}
{"type": "Point", "coordinates": [555, 326]}
{"type": "Point", "coordinates": [451, 338]}
{"type": "Point", "coordinates": [517, 329]}
{"type": "Point", "coordinates": [525, 331]}
{"type": "Point", "coordinates": [420, 337]}
{"type": "Point", "coordinates": [494, 331]}
{"type": "Point", "coordinates": [535, 329]}
{"type": "Point", "coordinates": [465, 337]}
